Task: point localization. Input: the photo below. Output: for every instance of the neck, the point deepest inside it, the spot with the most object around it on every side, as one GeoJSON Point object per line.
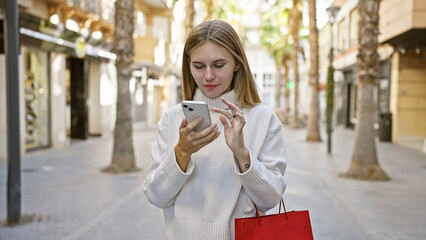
{"type": "Point", "coordinates": [215, 102]}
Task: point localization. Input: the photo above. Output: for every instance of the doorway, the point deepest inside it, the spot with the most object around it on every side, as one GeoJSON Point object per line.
{"type": "Point", "coordinates": [77, 97]}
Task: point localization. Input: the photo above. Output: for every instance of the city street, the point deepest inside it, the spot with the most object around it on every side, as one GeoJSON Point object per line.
{"type": "Point", "coordinates": [66, 196]}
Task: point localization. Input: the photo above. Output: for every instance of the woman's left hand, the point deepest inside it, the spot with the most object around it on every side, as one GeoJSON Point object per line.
{"type": "Point", "coordinates": [233, 123]}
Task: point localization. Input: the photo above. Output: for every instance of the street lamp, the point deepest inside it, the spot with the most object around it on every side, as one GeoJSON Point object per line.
{"type": "Point", "coordinates": [332, 12]}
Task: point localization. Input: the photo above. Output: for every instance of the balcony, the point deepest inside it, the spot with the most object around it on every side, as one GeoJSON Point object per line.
{"type": "Point", "coordinates": [403, 23]}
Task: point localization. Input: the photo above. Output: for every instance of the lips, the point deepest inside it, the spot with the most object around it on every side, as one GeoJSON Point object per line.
{"type": "Point", "coordinates": [210, 87]}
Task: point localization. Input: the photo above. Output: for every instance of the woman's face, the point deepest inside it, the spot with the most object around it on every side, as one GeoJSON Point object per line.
{"type": "Point", "coordinates": [212, 67]}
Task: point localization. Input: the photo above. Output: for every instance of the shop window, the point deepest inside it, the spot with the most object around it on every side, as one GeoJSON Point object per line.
{"type": "Point", "coordinates": [37, 99]}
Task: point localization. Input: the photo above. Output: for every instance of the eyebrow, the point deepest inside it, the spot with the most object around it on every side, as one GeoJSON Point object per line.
{"type": "Point", "coordinates": [215, 61]}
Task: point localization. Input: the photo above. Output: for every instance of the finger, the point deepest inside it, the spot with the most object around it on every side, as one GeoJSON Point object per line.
{"type": "Point", "coordinates": [224, 112]}
{"type": "Point", "coordinates": [206, 132]}
{"type": "Point", "coordinates": [232, 106]}
{"type": "Point", "coordinates": [183, 123]}
{"type": "Point", "coordinates": [224, 122]}
{"type": "Point", "coordinates": [211, 136]}
{"type": "Point", "coordinates": [194, 123]}
{"type": "Point", "coordinates": [240, 116]}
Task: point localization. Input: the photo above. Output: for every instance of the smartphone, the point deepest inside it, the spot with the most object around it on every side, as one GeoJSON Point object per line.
{"type": "Point", "coordinates": [195, 109]}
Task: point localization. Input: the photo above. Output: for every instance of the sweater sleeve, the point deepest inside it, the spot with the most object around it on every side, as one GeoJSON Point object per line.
{"type": "Point", "coordinates": [165, 178]}
{"type": "Point", "coordinates": [264, 180]}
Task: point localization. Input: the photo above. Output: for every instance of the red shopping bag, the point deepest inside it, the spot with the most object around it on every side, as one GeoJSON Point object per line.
{"type": "Point", "coordinates": [288, 225]}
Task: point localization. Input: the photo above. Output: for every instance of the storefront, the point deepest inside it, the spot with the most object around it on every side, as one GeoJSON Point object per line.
{"type": "Point", "coordinates": [62, 78]}
{"type": "Point", "coordinates": [347, 94]}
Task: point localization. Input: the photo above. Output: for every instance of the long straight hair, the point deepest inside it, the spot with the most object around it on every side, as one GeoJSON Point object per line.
{"type": "Point", "coordinates": [222, 33]}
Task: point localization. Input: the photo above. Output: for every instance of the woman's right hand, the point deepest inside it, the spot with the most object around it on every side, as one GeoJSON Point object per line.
{"type": "Point", "coordinates": [191, 141]}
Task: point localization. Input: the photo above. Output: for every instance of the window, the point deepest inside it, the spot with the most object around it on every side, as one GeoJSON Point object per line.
{"type": "Point", "coordinates": [140, 24]}
{"type": "Point", "coordinates": [160, 28]}
{"type": "Point", "coordinates": [353, 27]}
{"type": "Point", "coordinates": [107, 10]}
{"type": "Point", "coordinates": [341, 34]}
{"type": "Point", "coordinates": [268, 80]}
{"type": "Point", "coordinates": [37, 98]}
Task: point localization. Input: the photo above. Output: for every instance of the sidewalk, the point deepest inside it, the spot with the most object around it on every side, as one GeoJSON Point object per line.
{"type": "Point", "coordinates": [352, 209]}
{"type": "Point", "coordinates": [65, 196]}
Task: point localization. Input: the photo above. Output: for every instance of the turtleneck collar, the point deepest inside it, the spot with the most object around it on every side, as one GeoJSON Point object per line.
{"type": "Point", "coordinates": [215, 102]}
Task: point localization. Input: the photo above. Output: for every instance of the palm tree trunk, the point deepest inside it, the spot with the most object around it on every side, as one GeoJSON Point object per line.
{"type": "Point", "coordinates": [189, 16]}
{"type": "Point", "coordinates": [209, 9]}
{"type": "Point", "coordinates": [364, 163]}
{"type": "Point", "coordinates": [295, 19]}
{"type": "Point", "coordinates": [286, 92]}
{"type": "Point", "coordinates": [123, 158]}
{"type": "Point", "coordinates": [313, 133]}
{"type": "Point", "coordinates": [278, 88]}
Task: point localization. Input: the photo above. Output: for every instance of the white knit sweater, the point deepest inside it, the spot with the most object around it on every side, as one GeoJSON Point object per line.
{"type": "Point", "coordinates": [203, 202]}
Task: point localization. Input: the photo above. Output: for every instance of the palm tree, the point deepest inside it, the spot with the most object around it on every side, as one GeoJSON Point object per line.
{"type": "Point", "coordinates": [123, 158]}
{"type": "Point", "coordinates": [364, 163]}
{"type": "Point", "coordinates": [313, 133]}
{"type": "Point", "coordinates": [274, 37]}
{"type": "Point", "coordinates": [209, 9]}
{"type": "Point", "coordinates": [286, 58]}
{"type": "Point", "coordinates": [189, 16]}
{"type": "Point", "coordinates": [295, 23]}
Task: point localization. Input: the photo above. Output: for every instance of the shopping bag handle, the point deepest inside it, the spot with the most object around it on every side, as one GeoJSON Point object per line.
{"type": "Point", "coordinates": [279, 211]}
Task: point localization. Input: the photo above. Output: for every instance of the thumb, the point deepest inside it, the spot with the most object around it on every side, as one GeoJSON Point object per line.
{"type": "Point", "coordinates": [183, 123]}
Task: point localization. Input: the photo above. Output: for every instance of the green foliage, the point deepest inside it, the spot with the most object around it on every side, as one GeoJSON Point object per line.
{"type": "Point", "coordinates": [230, 11]}
{"type": "Point", "coordinates": [274, 30]}
{"type": "Point", "coordinates": [227, 10]}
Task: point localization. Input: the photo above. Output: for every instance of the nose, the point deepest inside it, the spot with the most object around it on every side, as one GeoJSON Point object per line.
{"type": "Point", "coordinates": [209, 75]}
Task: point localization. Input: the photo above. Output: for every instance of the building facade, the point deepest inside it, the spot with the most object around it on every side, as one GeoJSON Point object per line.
{"type": "Point", "coordinates": [403, 26]}
{"type": "Point", "coordinates": [64, 63]}
{"type": "Point", "coordinates": [158, 45]}
{"type": "Point", "coordinates": [67, 69]}
{"type": "Point", "coordinates": [345, 39]}
{"type": "Point", "coordinates": [400, 86]}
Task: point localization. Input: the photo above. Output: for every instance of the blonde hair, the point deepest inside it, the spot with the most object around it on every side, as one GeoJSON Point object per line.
{"type": "Point", "coordinates": [222, 33]}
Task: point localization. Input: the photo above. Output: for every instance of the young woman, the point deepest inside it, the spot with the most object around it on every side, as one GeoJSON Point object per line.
{"type": "Point", "coordinates": [204, 180]}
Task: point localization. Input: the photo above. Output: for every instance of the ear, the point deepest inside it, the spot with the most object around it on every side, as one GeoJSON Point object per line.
{"type": "Point", "coordinates": [237, 67]}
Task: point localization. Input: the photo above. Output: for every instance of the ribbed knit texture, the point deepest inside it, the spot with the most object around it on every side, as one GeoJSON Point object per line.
{"type": "Point", "coordinates": [203, 202]}
{"type": "Point", "coordinates": [215, 102]}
